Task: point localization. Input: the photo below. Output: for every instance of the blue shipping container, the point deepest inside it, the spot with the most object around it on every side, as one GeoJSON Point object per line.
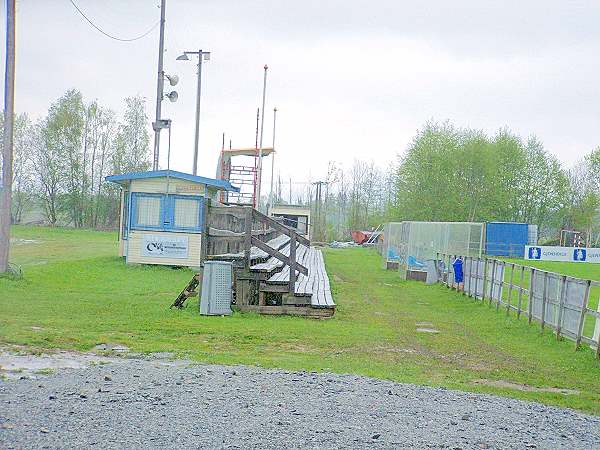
{"type": "Point", "coordinates": [506, 239]}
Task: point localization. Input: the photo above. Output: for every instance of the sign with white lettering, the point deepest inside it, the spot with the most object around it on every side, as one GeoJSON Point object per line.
{"type": "Point", "coordinates": [571, 254]}
{"type": "Point", "coordinates": [165, 246]}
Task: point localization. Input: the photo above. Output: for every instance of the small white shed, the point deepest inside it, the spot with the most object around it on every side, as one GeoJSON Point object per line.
{"type": "Point", "coordinates": [294, 216]}
{"type": "Point", "coordinates": [162, 215]}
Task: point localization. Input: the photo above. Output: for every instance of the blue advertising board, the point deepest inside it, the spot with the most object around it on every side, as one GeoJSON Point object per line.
{"type": "Point", "coordinates": [506, 238]}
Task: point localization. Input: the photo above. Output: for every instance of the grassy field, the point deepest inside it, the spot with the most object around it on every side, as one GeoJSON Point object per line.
{"type": "Point", "coordinates": [76, 293]}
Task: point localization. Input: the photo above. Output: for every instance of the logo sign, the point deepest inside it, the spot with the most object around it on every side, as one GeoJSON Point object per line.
{"type": "Point", "coordinates": [165, 246]}
{"type": "Point", "coordinates": [570, 254]}
{"type": "Point", "coordinates": [534, 253]}
{"type": "Point", "coordinates": [579, 254]}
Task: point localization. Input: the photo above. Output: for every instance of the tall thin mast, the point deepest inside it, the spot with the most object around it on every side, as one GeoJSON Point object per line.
{"type": "Point", "coordinates": [159, 85]}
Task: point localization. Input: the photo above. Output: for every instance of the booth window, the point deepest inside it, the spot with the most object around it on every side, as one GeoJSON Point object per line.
{"type": "Point", "coordinates": [166, 212]}
{"type": "Point", "coordinates": [187, 213]}
{"type": "Point", "coordinates": [148, 211]}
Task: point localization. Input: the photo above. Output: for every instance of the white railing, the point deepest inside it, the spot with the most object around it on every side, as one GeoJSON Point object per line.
{"type": "Point", "coordinates": [556, 301]}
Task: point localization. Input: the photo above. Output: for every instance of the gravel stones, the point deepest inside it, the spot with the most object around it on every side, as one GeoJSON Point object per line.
{"type": "Point", "coordinates": [178, 405]}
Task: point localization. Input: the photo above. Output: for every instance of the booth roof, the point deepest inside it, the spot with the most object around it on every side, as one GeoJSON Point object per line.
{"type": "Point", "coordinates": [219, 184]}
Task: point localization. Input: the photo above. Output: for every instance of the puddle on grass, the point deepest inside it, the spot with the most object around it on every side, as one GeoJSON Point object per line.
{"type": "Point", "coordinates": [16, 366]}
{"type": "Point", "coordinates": [20, 241]}
{"type": "Point", "coordinates": [524, 387]}
{"type": "Point", "coordinates": [427, 330]}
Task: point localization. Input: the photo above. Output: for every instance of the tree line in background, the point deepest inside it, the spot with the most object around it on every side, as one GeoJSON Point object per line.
{"type": "Point", "coordinates": [446, 174]}
{"type": "Point", "coordinates": [60, 161]}
{"type": "Point", "coordinates": [464, 175]}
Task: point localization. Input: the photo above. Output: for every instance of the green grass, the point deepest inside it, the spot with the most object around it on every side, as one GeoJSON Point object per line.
{"type": "Point", "coordinates": [76, 293]}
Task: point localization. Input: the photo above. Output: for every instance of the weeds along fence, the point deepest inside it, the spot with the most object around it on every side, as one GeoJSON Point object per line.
{"type": "Point", "coordinates": [565, 304]}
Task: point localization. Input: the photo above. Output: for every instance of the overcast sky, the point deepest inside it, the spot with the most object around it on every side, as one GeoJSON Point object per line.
{"type": "Point", "coordinates": [351, 79]}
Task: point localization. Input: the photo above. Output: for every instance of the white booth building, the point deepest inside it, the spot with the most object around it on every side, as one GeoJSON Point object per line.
{"type": "Point", "coordinates": [162, 215]}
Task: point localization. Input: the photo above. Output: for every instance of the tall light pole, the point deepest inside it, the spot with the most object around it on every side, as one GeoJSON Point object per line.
{"type": "Point", "coordinates": [159, 84]}
{"type": "Point", "coordinates": [260, 146]}
{"type": "Point", "coordinates": [6, 157]}
{"type": "Point", "coordinates": [202, 55]}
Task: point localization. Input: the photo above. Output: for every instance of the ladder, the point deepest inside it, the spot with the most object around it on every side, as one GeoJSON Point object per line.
{"type": "Point", "coordinates": [189, 291]}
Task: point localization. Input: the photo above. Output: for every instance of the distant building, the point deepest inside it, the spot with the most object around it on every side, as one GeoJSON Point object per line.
{"type": "Point", "coordinates": [294, 216]}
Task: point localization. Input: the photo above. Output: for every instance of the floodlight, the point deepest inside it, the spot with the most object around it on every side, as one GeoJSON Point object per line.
{"type": "Point", "coordinates": [173, 96]}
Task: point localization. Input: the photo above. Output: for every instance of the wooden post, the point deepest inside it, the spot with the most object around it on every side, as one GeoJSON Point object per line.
{"type": "Point", "coordinates": [561, 298]}
{"type": "Point", "coordinates": [248, 238]}
{"type": "Point", "coordinates": [292, 285]}
{"type": "Point", "coordinates": [521, 281]}
{"type": "Point", "coordinates": [531, 296]}
{"type": "Point", "coordinates": [544, 295]}
{"type": "Point", "coordinates": [6, 154]}
{"type": "Point", "coordinates": [204, 237]}
{"type": "Point", "coordinates": [586, 299]}
{"type": "Point", "coordinates": [510, 288]}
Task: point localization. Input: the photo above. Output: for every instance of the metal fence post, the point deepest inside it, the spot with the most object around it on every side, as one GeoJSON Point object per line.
{"type": "Point", "coordinates": [477, 277]}
{"type": "Point", "coordinates": [485, 264]}
{"type": "Point", "coordinates": [520, 301]}
{"type": "Point", "coordinates": [586, 299]}
{"type": "Point", "coordinates": [544, 298]}
{"type": "Point", "coordinates": [531, 296]}
{"type": "Point", "coordinates": [492, 282]}
{"type": "Point", "coordinates": [563, 293]}
{"type": "Point", "coordinates": [500, 285]}
{"type": "Point", "coordinates": [510, 288]}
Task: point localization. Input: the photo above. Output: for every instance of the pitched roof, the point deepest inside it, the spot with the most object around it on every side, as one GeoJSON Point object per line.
{"type": "Point", "coordinates": [219, 184]}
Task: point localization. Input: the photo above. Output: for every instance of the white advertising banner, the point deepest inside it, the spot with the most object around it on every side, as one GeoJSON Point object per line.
{"type": "Point", "coordinates": [570, 254]}
{"type": "Point", "coordinates": [165, 246]}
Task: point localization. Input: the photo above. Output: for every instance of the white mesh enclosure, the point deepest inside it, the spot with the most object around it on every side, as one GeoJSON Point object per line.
{"type": "Point", "coordinates": [413, 243]}
{"type": "Point", "coordinates": [392, 241]}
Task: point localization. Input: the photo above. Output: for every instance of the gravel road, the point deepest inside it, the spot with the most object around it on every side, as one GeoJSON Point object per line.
{"type": "Point", "coordinates": [140, 403]}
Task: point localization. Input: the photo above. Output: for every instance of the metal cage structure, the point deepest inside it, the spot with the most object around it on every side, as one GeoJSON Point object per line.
{"type": "Point", "coordinates": [411, 244]}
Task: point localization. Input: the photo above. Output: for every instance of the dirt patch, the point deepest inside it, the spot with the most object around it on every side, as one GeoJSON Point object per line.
{"type": "Point", "coordinates": [524, 387]}
{"type": "Point", "coordinates": [337, 278]}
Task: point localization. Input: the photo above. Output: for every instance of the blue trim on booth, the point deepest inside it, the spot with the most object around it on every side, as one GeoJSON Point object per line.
{"type": "Point", "coordinates": [221, 184]}
{"type": "Point", "coordinates": [167, 213]}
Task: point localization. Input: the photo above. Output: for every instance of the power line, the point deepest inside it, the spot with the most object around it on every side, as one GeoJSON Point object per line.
{"type": "Point", "coordinates": [109, 35]}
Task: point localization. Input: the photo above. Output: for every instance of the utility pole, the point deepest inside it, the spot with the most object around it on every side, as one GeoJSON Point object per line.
{"type": "Point", "coordinates": [273, 159]}
{"type": "Point", "coordinates": [318, 203]}
{"type": "Point", "coordinates": [7, 151]}
{"type": "Point", "coordinates": [159, 85]}
{"type": "Point", "coordinates": [260, 147]}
